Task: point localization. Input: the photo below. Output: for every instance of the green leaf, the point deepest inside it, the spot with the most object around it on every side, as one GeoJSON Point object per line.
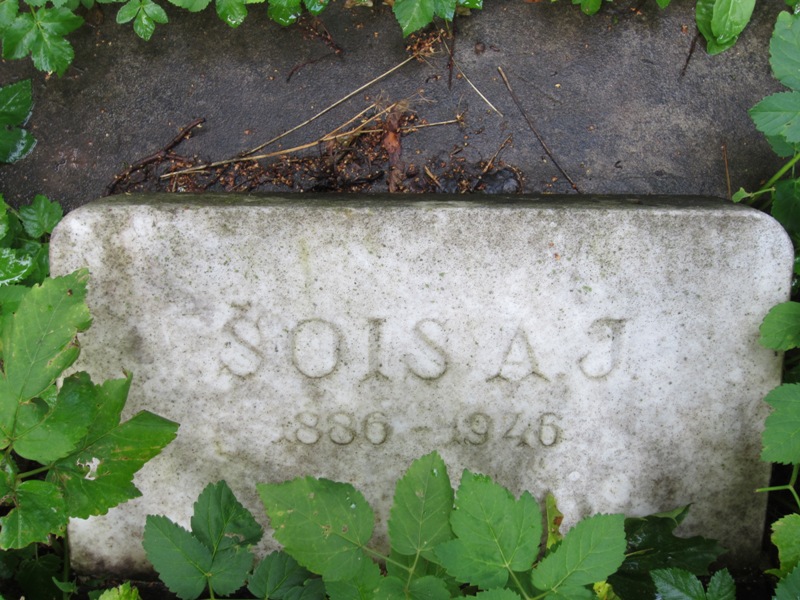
{"type": "Point", "coordinates": [444, 9]}
{"type": "Point", "coordinates": [589, 7]}
{"type": "Point", "coordinates": [496, 533]}
{"type": "Point", "coordinates": [122, 592]}
{"type": "Point", "coordinates": [15, 266]}
{"type": "Point", "coordinates": [180, 559]}
{"type": "Point", "coordinates": [781, 147]}
{"type": "Point", "coordinates": [40, 216]}
{"type": "Point", "coordinates": [780, 329]}
{"type": "Point", "coordinates": [18, 36]}
{"type": "Point", "coordinates": [145, 14]}
{"type": "Point", "coordinates": [39, 341]}
{"type": "Point", "coordinates": [425, 588]}
{"type": "Point", "coordinates": [99, 473]}
{"type": "Point", "coordinates": [323, 524]}
{"type": "Point", "coordinates": [784, 50]}
{"type": "Point", "coordinates": [37, 576]}
{"type": "Point", "coordinates": [275, 575]}
{"type": "Point", "coordinates": [789, 588]}
{"type": "Point", "coordinates": [38, 511]}
{"type": "Point", "coordinates": [420, 516]}
{"type": "Point", "coordinates": [9, 9]}
{"type": "Point", "coordinates": [49, 50]}
{"type": "Point", "coordinates": [652, 545]}
{"type": "Point", "coordinates": [704, 13]}
{"type": "Point", "coordinates": [677, 584]}
{"type": "Point", "coordinates": [284, 12]}
{"type": "Point", "coordinates": [471, 4]}
{"type": "Point", "coordinates": [315, 7]}
{"type": "Point", "coordinates": [191, 5]}
{"type": "Point", "coordinates": [786, 206]}
{"type": "Point", "coordinates": [233, 12]}
{"type": "Point", "coordinates": [502, 594]}
{"type": "Point", "coordinates": [361, 587]}
{"type": "Point", "coordinates": [413, 14]}
{"type": "Point", "coordinates": [16, 100]}
{"type": "Point", "coordinates": [778, 115]}
{"type": "Point", "coordinates": [591, 551]}
{"type": "Point", "coordinates": [786, 537]}
{"type": "Point", "coordinates": [729, 18]}
{"type": "Point", "coordinates": [312, 589]}
{"type": "Point", "coordinates": [662, 3]}
{"type": "Point", "coordinates": [781, 437]}
{"type": "Point", "coordinates": [15, 144]}
{"type": "Point", "coordinates": [721, 586]}
{"type": "Point", "coordinates": [553, 518]}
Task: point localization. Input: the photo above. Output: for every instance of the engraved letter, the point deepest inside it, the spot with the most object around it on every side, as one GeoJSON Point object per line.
{"type": "Point", "coordinates": [342, 432]}
{"type": "Point", "coordinates": [606, 337]}
{"type": "Point", "coordinates": [242, 356]}
{"type": "Point", "coordinates": [315, 348]}
{"type": "Point", "coordinates": [431, 361]}
{"type": "Point", "coordinates": [519, 361]}
{"type": "Point", "coordinates": [375, 350]}
{"type": "Point", "coordinates": [376, 429]}
{"type": "Point", "coordinates": [307, 432]}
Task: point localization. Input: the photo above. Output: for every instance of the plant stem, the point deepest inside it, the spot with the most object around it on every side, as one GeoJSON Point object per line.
{"type": "Point", "coordinates": [34, 472]}
{"type": "Point", "coordinates": [782, 171]}
{"type": "Point", "coordinates": [787, 487]}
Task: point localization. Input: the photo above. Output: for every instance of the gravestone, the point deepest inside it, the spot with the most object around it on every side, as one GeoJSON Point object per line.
{"type": "Point", "coordinates": [602, 350]}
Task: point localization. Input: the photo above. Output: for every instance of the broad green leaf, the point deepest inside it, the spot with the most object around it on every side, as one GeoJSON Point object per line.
{"type": "Point", "coordinates": [275, 575]}
{"type": "Point", "coordinates": [677, 584]}
{"type": "Point", "coordinates": [122, 592]}
{"type": "Point", "coordinates": [180, 559]}
{"type": "Point", "coordinates": [15, 144]}
{"type": "Point", "coordinates": [662, 3]}
{"type": "Point", "coordinates": [37, 575]}
{"type": "Point", "coordinates": [16, 100]}
{"type": "Point", "coordinates": [425, 588]}
{"type": "Point", "coordinates": [781, 147]}
{"type": "Point", "coordinates": [704, 13]}
{"type": "Point", "coordinates": [45, 434]}
{"type": "Point", "coordinates": [128, 11]}
{"type": "Point", "coordinates": [145, 14]}
{"type": "Point", "coordinates": [780, 329]}
{"type": "Point", "coordinates": [730, 17]}
{"type": "Point", "coordinates": [781, 436]}
{"type": "Point", "coordinates": [9, 9]}
{"type": "Point", "coordinates": [789, 588]}
{"type": "Point", "coordinates": [39, 341]}
{"type": "Point", "coordinates": [721, 586]}
{"type": "Point", "coordinates": [390, 588]}
{"type": "Point", "coordinates": [49, 50]}
{"type": "Point", "coordinates": [589, 7]}
{"type": "Point", "coordinates": [361, 587]}
{"type": "Point", "coordinates": [778, 115]}
{"type": "Point", "coordinates": [413, 14]}
{"type": "Point", "coordinates": [220, 521]}
{"type": "Point", "coordinates": [18, 36]}
{"type": "Point", "coordinates": [323, 524]}
{"type": "Point", "coordinates": [786, 537]}
{"type": "Point", "coordinates": [15, 265]}
{"type": "Point", "coordinates": [99, 473]}
{"type": "Point", "coordinates": [786, 207]}
{"type": "Point", "coordinates": [40, 216]}
{"type": "Point", "coordinates": [496, 533]}
{"type": "Point", "coordinates": [191, 5]}
{"type": "Point", "coordinates": [591, 551]}
{"type": "Point", "coordinates": [315, 7]}
{"type": "Point", "coordinates": [784, 50]}
{"type": "Point", "coordinates": [284, 12]}
{"type": "Point", "coordinates": [229, 569]}
{"type": "Point", "coordinates": [233, 12]}
{"type": "Point", "coordinates": [444, 9]}
{"type": "Point", "coordinates": [471, 4]}
{"type": "Point", "coordinates": [501, 594]}
{"type": "Point", "coordinates": [312, 589]}
{"type": "Point", "coordinates": [420, 516]}
{"type": "Point", "coordinates": [652, 545]}
{"type": "Point", "coordinates": [38, 511]}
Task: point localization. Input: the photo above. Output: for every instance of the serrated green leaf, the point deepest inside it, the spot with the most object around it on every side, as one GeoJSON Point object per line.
{"type": "Point", "coordinates": [284, 12]}
{"type": "Point", "coordinates": [781, 147]}
{"type": "Point", "coordinates": [721, 586]}
{"type": "Point", "coordinates": [15, 265]}
{"type": "Point", "coordinates": [229, 569]}
{"type": "Point", "coordinates": [39, 341]}
{"type": "Point", "coordinates": [275, 575]}
{"type": "Point", "coordinates": [390, 588]}
{"type": "Point", "coordinates": [730, 17]}
{"type": "Point", "coordinates": [652, 545]}
{"type": "Point", "coordinates": [501, 594]}
{"type": "Point", "coordinates": [40, 216]}
{"type": "Point", "coordinates": [780, 329]}
{"type": "Point", "coordinates": [781, 436]}
{"type": "Point", "coordinates": [589, 7]}
{"type": "Point", "coordinates": [784, 50]}
{"type": "Point", "coordinates": [18, 36]}
{"type": "Point", "coordinates": [444, 9]}
{"type": "Point", "coordinates": [471, 4]}
{"type": "Point", "coordinates": [677, 584]}
{"type": "Point", "coordinates": [36, 576]}
{"type": "Point", "coordinates": [786, 537]}
{"type": "Point", "coordinates": [413, 14]}
{"type": "Point", "coordinates": [191, 5]}
{"type": "Point", "coordinates": [323, 524]}
{"type": "Point", "coordinates": [233, 12]}
{"type": "Point", "coordinates": [99, 473]}
{"type": "Point", "coordinates": [16, 100]}
{"type": "Point", "coordinates": [122, 592]}
{"type": "Point", "coordinates": [778, 115]}
{"type": "Point", "coordinates": [39, 510]}
{"type": "Point", "coordinates": [361, 587]}
{"type": "Point", "coordinates": [9, 9]}
{"type": "Point", "coordinates": [789, 588]}
{"type": "Point", "coordinates": [424, 588]}
{"type": "Point", "coordinates": [496, 534]}
{"type": "Point", "coordinates": [179, 558]}
{"type": "Point", "coordinates": [704, 13]}
{"type": "Point", "coordinates": [49, 50]}
{"type": "Point", "coordinates": [128, 11]}
{"type": "Point", "coordinates": [220, 521]}
{"type": "Point", "coordinates": [591, 551]}
{"type": "Point", "coordinates": [786, 206]}
{"type": "Point", "coordinates": [315, 7]}
{"type": "Point", "coordinates": [15, 144]}
{"type": "Point", "coordinates": [312, 589]}
{"type": "Point", "coordinates": [423, 500]}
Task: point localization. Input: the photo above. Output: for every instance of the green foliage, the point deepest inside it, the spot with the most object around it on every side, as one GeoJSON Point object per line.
{"type": "Point", "coordinates": [677, 584]}
{"type": "Point", "coordinates": [24, 248]}
{"type": "Point", "coordinates": [74, 433]}
{"type": "Point", "coordinates": [721, 21]}
{"type": "Point", "coordinates": [786, 537]}
{"type": "Point", "coordinates": [122, 592]}
{"type": "Point", "coordinates": [16, 101]}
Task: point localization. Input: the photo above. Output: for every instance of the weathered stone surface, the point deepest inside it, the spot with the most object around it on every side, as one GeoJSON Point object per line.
{"type": "Point", "coordinates": [603, 350]}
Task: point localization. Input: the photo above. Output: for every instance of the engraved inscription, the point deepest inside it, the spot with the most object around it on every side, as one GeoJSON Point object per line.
{"type": "Point", "coordinates": [315, 347]}
{"type": "Point", "coordinates": [429, 361]}
{"type": "Point", "coordinates": [339, 427]}
{"type": "Point", "coordinates": [375, 349]}
{"type": "Point", "coordinates": [606, 338]}
{"type": "Point", "coordinates": [519, 360]}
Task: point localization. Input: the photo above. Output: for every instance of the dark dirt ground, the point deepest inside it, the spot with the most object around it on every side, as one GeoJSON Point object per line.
{"type": "Point", "coordinates": [627, 102]}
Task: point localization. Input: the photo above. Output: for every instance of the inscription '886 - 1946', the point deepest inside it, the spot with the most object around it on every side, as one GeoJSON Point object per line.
{"type": "Point", "coordinates": [316, 347]}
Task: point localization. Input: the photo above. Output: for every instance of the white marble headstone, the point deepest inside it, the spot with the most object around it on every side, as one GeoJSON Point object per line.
{"type": "Point", "coordinates": [603, 350]}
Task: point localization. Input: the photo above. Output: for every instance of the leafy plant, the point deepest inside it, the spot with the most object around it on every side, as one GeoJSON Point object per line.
{"type": "Point", "coordinates": [24, 248]}
{"type": "Point", "coordinates": [677, 584]}
{"type": "Point", "coordinates": [16, 102]}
